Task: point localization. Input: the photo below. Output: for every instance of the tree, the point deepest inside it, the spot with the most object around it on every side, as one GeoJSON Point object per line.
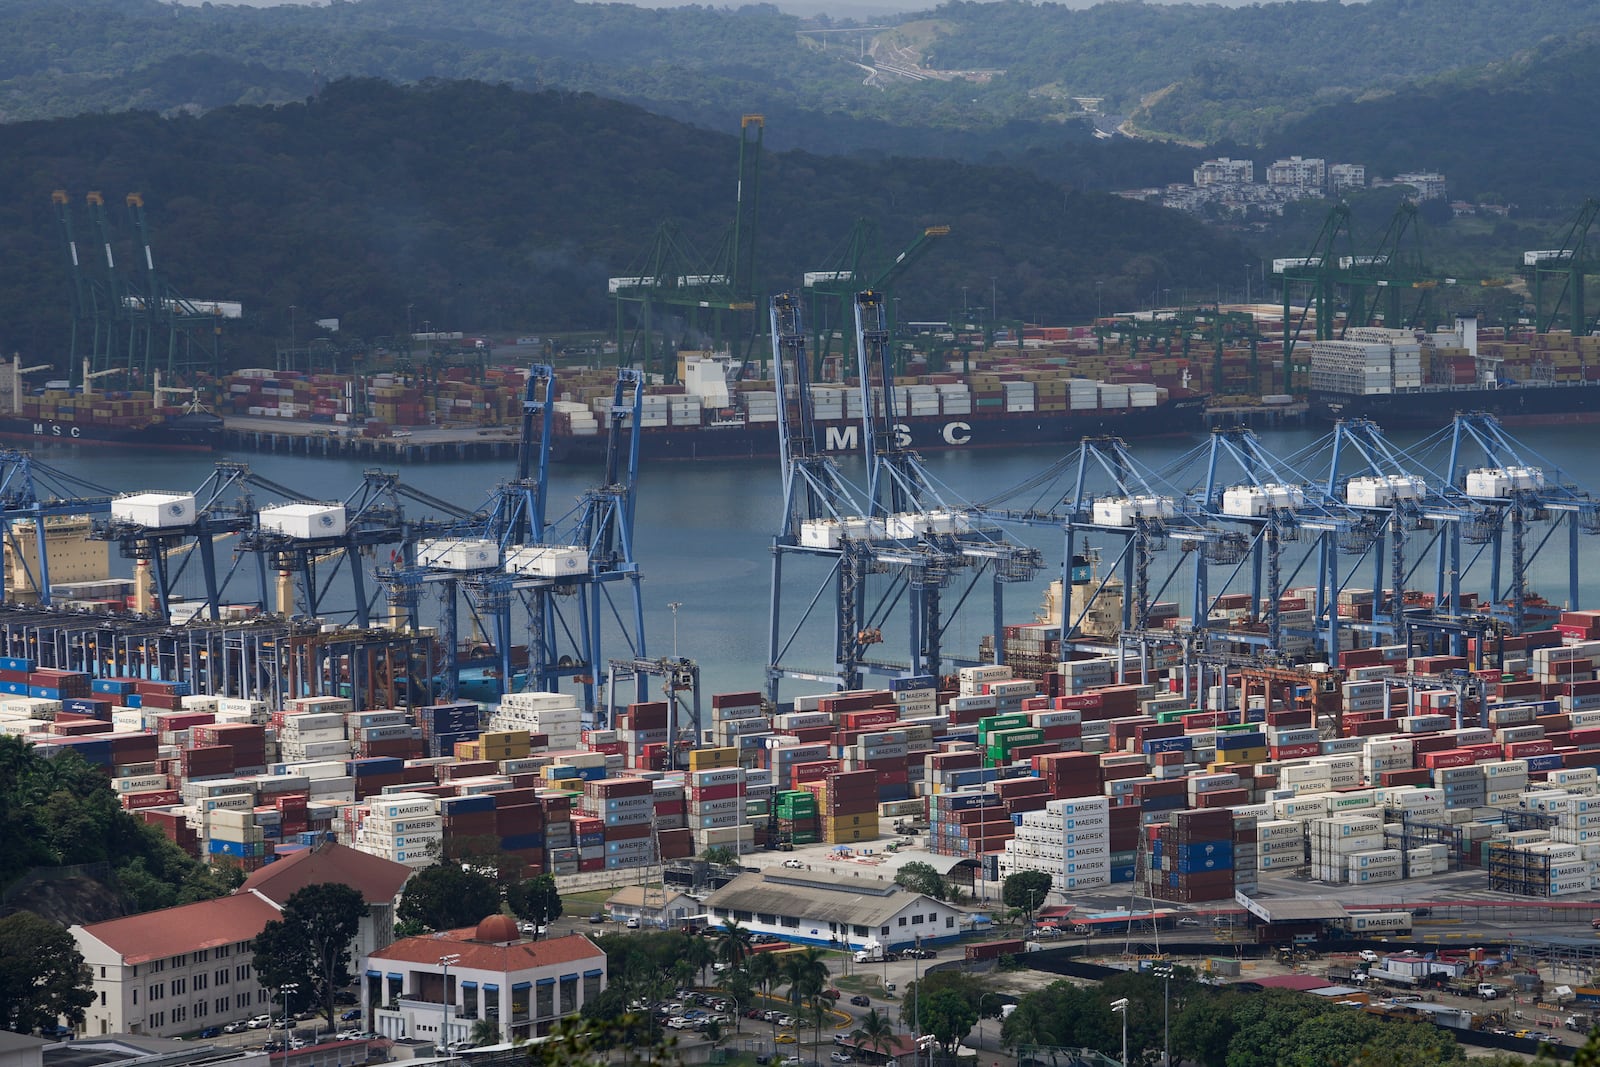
{"type": "Point", "coordinates": [485, 1032]}
{"type": "Point", "coordinates": [806, 973]}
{"type": "Point", "coordinates": [720, 856]}
{"type": "Point", "coordinates": [310, 945]}
{"type": "Point", "coordinates": [948, 1017]}
{"type": "Point", "coordinates": [921, 878]}
{"type": "Point", "coordinates": [535, 900]}
{"type": "Point", "coordinates": [876, 1032]}
{"type": "Point", "coordinates": [42, 975]}
{"type": "Point", "coordinates": [1026, 891]}
{"type": "Point", "coordinates": [733, 943]}
{"type": "Point", "coordinates": [446, 896]}
{"type": "Point", "coordinates": [699, 954]}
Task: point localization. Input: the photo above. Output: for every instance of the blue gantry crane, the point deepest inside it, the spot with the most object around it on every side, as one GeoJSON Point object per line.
{"type": "Point", "coordinates": [560, 571]}
{"type": "Point", "coordinates": [819, 504]}
{"type": "Point", "coordinates": [919, 529]}
{"type": "Point", "coordinates": [1510, 489]}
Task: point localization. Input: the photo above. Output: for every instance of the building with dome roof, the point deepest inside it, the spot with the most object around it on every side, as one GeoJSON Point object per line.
{"type": "Point", "coordinates": [436, 987]}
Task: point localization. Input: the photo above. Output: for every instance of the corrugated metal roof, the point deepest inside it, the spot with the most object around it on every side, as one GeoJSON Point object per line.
{"type": "Point", "coordinates": [851, 901]}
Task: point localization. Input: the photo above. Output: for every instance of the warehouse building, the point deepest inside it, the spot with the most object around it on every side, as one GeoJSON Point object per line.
{"type": "Point", "coordinates": [834, 911]}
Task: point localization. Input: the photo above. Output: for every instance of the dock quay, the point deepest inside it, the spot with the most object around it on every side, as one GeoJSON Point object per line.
{"type": "Point", "coordinates": [421, 444]}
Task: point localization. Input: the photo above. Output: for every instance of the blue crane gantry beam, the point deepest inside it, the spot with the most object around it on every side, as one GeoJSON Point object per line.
{"type": "Point", "coordinates": [1101, 489]}
{"type": "Point", "coordinates": [1508, 485]}
{"type": "Point", "coordinates": [33, 492]}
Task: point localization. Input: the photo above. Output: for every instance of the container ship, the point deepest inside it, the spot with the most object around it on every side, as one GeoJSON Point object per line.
{"type": "Point", "coordinates": [1404, 379]}
{"type": "Point", "coordinates": [59, 414]}
{"type": "Point", "coordinates": [676, 430]}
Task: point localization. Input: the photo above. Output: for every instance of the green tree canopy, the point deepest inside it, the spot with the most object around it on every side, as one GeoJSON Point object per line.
{"type": "Point", "coordinates": [42, 975]}
{"type": "Point", "coordinates": [535, 900]}
{"type": "Point", "coordinates": [446, 896]}
{"type": "Point", "coordinates": [948, 1016]}
{"type": "Point", "coordinates": [1026, 891]}
{"type": "Point", "coordinates": [920, 877]}
{"type": "Point", "coordinates": [310, 945]}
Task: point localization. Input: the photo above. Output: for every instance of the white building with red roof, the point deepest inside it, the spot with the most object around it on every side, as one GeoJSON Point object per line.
{"type": "Point", "coordinates": [436, 988]}
{"type": "Point", "coordinates": [175, 970]}
{"type": "Point", "coordinates": [182, 969]}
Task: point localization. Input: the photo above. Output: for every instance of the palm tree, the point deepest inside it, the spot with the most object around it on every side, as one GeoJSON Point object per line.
{"type": "Point", "coordinates": [764, 972]}
{"type": "Point", "coordinates": [876, 1032]}
{"type": "Point", "coordinates": [700, 954]}
{"type": "Point", "coordinates": [806, 973]}
{"type": "Point", "coordinates": [734, 943]}
{"type": "Point", "coordinates": [485, 1032]}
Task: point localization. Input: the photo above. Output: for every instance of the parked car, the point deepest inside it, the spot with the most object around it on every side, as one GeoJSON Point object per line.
{"type": "Point", "coordinates": [1188, 920]}
{"type": "Point", "coordinates": [633, 923]}
{"type": "Point", "coordinates": [840, 1057]}
{"type": "Point", "coordinates": [236, 1027]}
{"type": "Point", "coordinates": [597, 918]}
{"type": "Point", "coordinates": [1369, 956]}
{"type": "Point", "coordinates": [260, 1022]}
{"type": "Point", "coordinates": [350, 1016]}
{"type": "Point", "coordinates": [349, 1035]}
{"type": "Point", "coordinates": [460, 1045]}
{"type": "Point", "coordinates": [793, 864]}
{"type": "Point", "coordinates": [344, 996]}
{"type": "Point", "coordinates": [861, 1000]}
{"type": "Point", "coordinates": [211, 1031]}
{"type": "Point", "coordinates": [831, 993]}
{"type": "Point", "coordinates": [1047, 933]}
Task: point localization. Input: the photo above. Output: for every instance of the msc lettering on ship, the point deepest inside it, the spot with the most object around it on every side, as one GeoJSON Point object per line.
{"type": "Point", "coordinates": [55, 430]}
{"type": "Point", "coordinates": [847, 439]}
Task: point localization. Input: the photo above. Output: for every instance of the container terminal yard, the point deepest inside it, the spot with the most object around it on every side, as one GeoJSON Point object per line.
{"type": "Point", "coordinates": [1259, 701]}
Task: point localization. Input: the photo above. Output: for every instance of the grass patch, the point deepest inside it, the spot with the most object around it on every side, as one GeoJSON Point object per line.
{"type": "Point", "coordinates": [586, 902]}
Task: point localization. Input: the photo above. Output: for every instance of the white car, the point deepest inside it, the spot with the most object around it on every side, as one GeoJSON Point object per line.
{"type": "Point", "coordinates": [1369, 956]}
{"type": "Point", "coordinates": [349, 1035]}
{"type": "Point", "coordinates": [260, 1022]}
{"type": "Point", "coordinates": [633, 924]}
{"type": "Point", "coordinates": [793, 864]}
{"type": "Point", "coordinates": [840, 1057]}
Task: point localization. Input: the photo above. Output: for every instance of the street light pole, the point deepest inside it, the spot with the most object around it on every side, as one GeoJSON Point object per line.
{"type": "Point", "coordinates": [288, 1033]}
{"type": "Point", "coordinates": [1121, 1008]}
{"type": "Point", "coordinates": [916, 1004]}
{"type": "Point", "coordinates": [1165, 974]}
{"type": "Point", "coordinates": [444, 998]}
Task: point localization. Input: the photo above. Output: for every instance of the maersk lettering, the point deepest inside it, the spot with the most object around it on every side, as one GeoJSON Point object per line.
{"type": "Point", "coordinates": [840, 439]}
{"type": "Point", "coordinates": [957, 433]}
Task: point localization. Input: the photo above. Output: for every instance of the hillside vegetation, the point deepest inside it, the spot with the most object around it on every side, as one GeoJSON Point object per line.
{"type": "Point", "coordinates": [488, 209]}
{"type": "Point", "coordinates": [1228, 73]}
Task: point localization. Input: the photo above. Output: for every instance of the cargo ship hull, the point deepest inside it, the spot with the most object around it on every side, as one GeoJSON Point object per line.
{"type": "Point", "coordinates": [926, 433]}
{"type": "Point", "coordinates": [191, 432]}
{"type": "Point", "coordinates": [1520, 405]}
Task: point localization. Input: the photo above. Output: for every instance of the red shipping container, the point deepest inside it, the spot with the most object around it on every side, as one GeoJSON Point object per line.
{"type": "Point", "coordinates": [1282, 752]}
{"type": "Point", "coordinates": [1525, 749]}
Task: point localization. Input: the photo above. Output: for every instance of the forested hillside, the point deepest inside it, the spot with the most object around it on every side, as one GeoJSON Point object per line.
{"type": "Point", "coordinates": [1524, 135]}
{"type": "Point", "coordinates": [483, 208]}
{"type": "Point", "coordinates": [1206, 72]}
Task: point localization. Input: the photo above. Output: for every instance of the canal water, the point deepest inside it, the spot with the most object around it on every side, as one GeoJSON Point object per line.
{"type": "Point", "coordinates": [704, 529]}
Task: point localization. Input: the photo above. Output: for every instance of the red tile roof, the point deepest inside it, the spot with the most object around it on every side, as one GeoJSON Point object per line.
{"type": "Point", "coordinates": [503, 959]}
{"type": "Point", "coordinates": [378, 879]}
{"type": "Point", "coordinates": [155, 935]}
